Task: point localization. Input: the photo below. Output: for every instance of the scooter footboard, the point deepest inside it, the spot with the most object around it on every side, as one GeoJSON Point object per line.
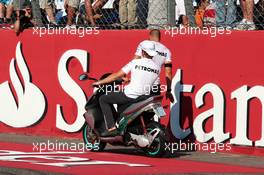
{"type": "Point", "coordinates": [95, 119]}
{"type": "Point", "coordinates": [89, 119]}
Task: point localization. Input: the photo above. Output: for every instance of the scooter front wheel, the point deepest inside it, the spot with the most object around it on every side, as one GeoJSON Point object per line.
{"type": "Point", "coordinates": [91, 140]}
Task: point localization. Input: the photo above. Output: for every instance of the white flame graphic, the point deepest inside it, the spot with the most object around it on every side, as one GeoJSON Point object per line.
{"type": "Point", "coordinates": [31, 102]}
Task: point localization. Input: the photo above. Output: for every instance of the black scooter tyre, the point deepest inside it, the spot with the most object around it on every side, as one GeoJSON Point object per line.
{"type": "Point", "coordinates": [160, 141]}
{"type": "Point", "coordinates": [98, 146]}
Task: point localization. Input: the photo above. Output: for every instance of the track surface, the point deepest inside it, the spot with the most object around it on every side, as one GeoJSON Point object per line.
{"type": "Point", "coordinates": [116, 161]}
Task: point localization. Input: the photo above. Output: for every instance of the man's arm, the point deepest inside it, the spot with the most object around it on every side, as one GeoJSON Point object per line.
{"type": "Point", "coordinates": [137, 57]}
{"type": "Point", "coordinates": [89, 12]}
{"type": "Point", "coordinates": [138, 52]}
{"type": "Point", "coordinates": [168, 74]}
{"type": "Point", "coordinates": [111, 78]}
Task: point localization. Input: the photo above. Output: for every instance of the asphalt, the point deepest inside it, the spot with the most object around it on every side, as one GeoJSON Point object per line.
{"type": "Point", "coordinates": [223, 158]}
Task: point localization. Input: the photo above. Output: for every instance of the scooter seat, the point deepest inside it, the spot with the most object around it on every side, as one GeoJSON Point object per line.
{"type": "Point", "coordinates": [140, 102]}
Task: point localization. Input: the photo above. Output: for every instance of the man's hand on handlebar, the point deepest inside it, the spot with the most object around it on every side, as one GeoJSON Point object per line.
{"type": "Point", "coordinates": [126, 79]}
{"type": "Point", "coordinates": [96, 84]}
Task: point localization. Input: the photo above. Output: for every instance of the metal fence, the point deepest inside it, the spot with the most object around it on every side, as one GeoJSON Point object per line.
{"type": "Point", "coordinates": [139, 14]}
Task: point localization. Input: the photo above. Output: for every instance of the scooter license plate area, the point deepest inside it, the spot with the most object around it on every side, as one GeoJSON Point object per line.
{"type": "Point", "coordinates": [160, 111]}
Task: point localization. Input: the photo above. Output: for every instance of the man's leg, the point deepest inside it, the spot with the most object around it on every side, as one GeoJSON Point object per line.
{"type": "Point", "coordinates": [106, 103]}
{"type": "Point", "coordinates": [220, 12]}
{"type": "Point", "coordinates": [89, 12]}
{"type": "Point", "coordinates": [9, 11]}
{"type": "Point", "coordinates": [250, 15]}
{"type": "Point", "coordinates": [242, 25]}
{"type": "Point", "coordinates": [132, 13]}
{"type": "Point", "coordinates": [249, 10]}
{"type": "Point", "coordinates": [70, 15]}
{"type": "Point", "coordinates": [73, 5]}
{"type": "Point", "coordinates": [99, 5]}
{"type": "Point", "coordinates": [123, 12]}
{"type": "Point", "coordinates": [2, 13]}
{"type": "Point", "coordinates": [231, 13]}
{"type": "Point", "coordinates": [17, 22]}
{"type": "Point", "coordinates": [243, 8]}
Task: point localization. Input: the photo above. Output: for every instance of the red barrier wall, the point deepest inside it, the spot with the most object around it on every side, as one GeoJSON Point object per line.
{"type": "Point", "coordinates": [229, 61]}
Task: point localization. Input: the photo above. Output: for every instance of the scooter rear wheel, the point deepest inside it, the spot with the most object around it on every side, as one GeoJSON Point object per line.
{"type": "Point", "coordinates": [157, 148]}
{"type": "Point", "coordinates": [89, 138]}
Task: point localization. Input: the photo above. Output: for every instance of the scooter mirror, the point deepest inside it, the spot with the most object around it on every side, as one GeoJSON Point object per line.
{"type": "Point", "coordinates": [83, 77]}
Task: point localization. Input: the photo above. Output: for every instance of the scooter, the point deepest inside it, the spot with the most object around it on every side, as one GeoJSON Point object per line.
{"type": "Point", "coordinates": [136, 124]}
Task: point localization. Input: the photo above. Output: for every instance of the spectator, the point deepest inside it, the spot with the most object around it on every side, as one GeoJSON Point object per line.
{"type": "Point", "coordinates": [89, 12]}
{"type": "Point", "coordinates": [6, 10]}
{"type": "Point", "coordinates": [157, 14]}
{"type": "Point", "coordinates": [48, 7]}
{"type": "Point", "coordinates": [127, 13]}
{"type": "Point", "coordinates": [61, 15]}
{"type": "Point", "coordinates": [200, 11]}
{"type": "Point", "coordinates": [93, 10]}
{"type": "Point", "coordinates": [225, 14]}
{"type": "Point", "coordinates": [71, 7]}
{"type": "Point", "coordinates": [180, 13]}
{"type": "Point", "coordinates": [190, 12]}
{"type": "Point", "coordinates": [247, 23]}
{"type": "Point", "coordinates": [17, 7]}
{"type": "Point", "coordinates": [260, 15]}
{"type": "Point", "coordinates": [37, 17]}
{"type": "Point", "coordinates": [24, 16]}
{"type": "Point", "coordinates": [209, 18]}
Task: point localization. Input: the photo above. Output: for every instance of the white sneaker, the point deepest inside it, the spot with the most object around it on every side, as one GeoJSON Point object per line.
{"type": "Point", "coordinates": [251, 25]}
{"type": "Point", "coordinates": [242, 25]}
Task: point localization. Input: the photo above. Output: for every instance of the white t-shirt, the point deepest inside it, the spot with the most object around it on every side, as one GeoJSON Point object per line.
{"type": "Point", "coordinates": [164, 56]}
{"type": "Point", "coordinates": [144, 72]}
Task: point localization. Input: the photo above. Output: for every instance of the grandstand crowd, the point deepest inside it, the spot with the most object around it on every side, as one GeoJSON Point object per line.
{"type": "Point", "coordinates": [132, 14]}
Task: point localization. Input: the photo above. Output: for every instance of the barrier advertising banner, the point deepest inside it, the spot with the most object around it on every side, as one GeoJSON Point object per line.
{"type": "Point", "coordinates": [217, 84]}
